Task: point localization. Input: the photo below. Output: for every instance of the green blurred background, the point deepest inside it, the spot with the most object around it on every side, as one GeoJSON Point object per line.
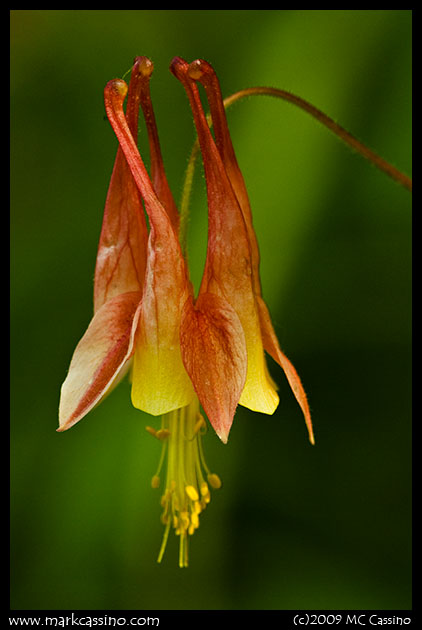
{"type": "Point", "coordinates": [295, 526]}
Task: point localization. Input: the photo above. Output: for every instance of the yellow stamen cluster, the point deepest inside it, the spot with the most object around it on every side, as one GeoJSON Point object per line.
{"type": "Point", "coordinates": [188, 478]}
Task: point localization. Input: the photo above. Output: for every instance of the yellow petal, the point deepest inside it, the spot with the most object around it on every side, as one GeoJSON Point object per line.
{"type": "Point", "coordinates": [259, 393]}
{"type": "Point", "coordinates": [159, 380]}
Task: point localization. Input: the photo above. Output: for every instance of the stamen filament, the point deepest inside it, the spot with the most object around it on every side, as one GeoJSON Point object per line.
{"type": "Point", "coordinates": [161, 462]}
{"type": "Point", "coordinates": [202, 458]}
{"type": "Point", "coordinates": [164, 541]}
{"type": "Point", "coordinates": [186, 493]}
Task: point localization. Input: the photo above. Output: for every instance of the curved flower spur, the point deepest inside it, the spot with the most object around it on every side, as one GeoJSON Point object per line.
{"type": "Point", "coordinates": [184, 352]}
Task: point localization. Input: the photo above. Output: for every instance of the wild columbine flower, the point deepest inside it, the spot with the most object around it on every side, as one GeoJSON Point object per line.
{"type": "Point", "coordinates": [183, 351]}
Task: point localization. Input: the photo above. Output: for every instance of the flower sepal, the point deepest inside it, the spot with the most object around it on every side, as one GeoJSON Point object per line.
{"type": "Point", "coordinates": [214, 354]}
{"type": "Point", "coordinates": [101, 358]}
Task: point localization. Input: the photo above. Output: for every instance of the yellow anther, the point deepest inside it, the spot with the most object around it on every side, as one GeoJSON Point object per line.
{"type": "Point", "coordinates": [198, 424]}
{"type": "Point", "coordinates": [164, 518]}
{"type": "Point", "coordinates": [194, 519]}
{"type": "Point", "coordinates": [155, 481]}
{"type": "Point", "coordinates": [214, 481]}
{"type": "Point", "coordinates": [192, 493]}
{"type": "Point", "coordinates": [184, 518]}
{"type": "Point", "coordinates": [166, 497]}
{"type": "Point", "coordinates": [187, 484]}
{"type": "Point", "coordinates": [162, 434]}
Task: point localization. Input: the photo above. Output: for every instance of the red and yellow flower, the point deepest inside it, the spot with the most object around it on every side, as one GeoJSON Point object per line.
{"type": "Point", "coordinates": [183, 351]}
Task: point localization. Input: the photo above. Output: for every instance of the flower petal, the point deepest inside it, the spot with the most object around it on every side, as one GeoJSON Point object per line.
{"type": "Point", "coordinates": [158, 174]}
{"type": "Point", "coordinates": [228, 267]}
{"type": "Point", "coordinates": [271, 345]}
{"type": "Point", "coordinates": [159, 380]}
{"type": "Point", "coordinates": [99, 357]}
{"type": "Point", "coordinates": [202, 71]}
{"type": "Point", "coordinates": [121, 257]}
{"type": "Point", "coordinates": [214, 354]}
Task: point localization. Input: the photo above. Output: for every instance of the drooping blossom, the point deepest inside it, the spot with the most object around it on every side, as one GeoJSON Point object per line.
{"type": "Point", "coordinates": [184, 351]}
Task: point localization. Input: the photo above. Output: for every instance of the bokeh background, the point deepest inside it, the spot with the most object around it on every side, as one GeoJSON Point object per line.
{"type": "Point", "coordinates": [295, 526]}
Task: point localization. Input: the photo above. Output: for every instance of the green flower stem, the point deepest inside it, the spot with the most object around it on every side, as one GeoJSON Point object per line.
{"type": "Point", "coordinates": [328, 122]}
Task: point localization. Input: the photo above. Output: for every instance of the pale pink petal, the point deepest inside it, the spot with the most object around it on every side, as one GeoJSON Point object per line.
{"type": "Point", "coordinates": [99, 357]}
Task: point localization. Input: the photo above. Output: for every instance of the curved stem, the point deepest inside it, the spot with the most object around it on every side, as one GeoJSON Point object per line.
{"type": "Point", "coordinates": [344, 135]}
{"type": "Point", "coordinates": [347, 137]}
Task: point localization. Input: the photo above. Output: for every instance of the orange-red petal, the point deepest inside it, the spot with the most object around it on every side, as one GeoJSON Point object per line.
{"type": "Point", "coordinates": [99, 358]}
{"type": "Point", "coordinates": [214, 354]}
{"type": "Point", "coordinates": [202, 71]}
{"type": "Point", "coordinates": [158, 174]}
{"type": "Point", "coordinates": [159, 380]}
{"type": "Point", "coordinates": [228, 268]}
{"type": "Point", "coordinates": [271, 345]}
{"type": "Point", "coordinates": [121, 257]}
